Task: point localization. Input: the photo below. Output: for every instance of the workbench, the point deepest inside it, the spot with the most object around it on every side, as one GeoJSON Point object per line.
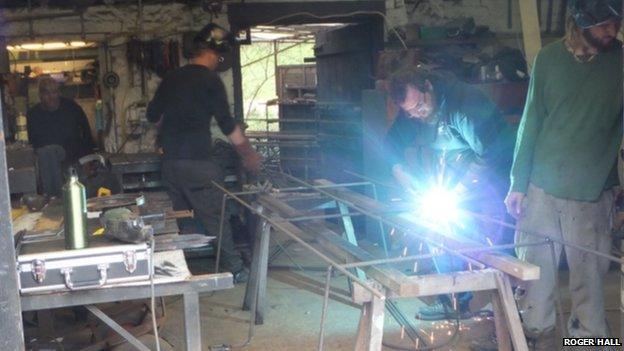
{"type": "Point", "coordinates": [189, 288]}
{"type": "Point", "coordinates": [181, 283]}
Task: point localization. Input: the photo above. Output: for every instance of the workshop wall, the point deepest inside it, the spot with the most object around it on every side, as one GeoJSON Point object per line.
{"type": "Point", "coordinates": [493, 13]}
{"type": "Point", "coordinates": [115, 25]}
{"type": "Point", "coordinates": [166, 21]}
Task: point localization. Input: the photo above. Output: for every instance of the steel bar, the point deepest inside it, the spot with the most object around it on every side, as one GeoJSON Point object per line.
{"type": "Point", "coordinates": [263, 264]}
{"type": "Point", "coordinates": [309, 218]}
{"type": "Point", "coordinates": [373, 215]}
{"type": "Point", "coordinates": [192, 321]}
{"type": "Point", "coordinates": [382, 232]}
{"type": "Point", "coordinates": [297, 188]}
{"type": "Point", "coordinates": [254, 272]}
{"type": "Point", "coordinates": [220, 235]}
{"type": "Point", "coordinates": [202, 283]}
{"type": "Point", "coordinates": [324, 310]}
{"type": "Point", "coordinates": [410, 330]}
{"type": "Point", "coordinates": [10, 315]}
{"type": "Point", "coordinates": [349, 234]}
{"type": "Point", "coordinates": [277, 225]}
{"type": "Point", "coordinates": [276, 252]}
{"type": "Point", "coordinates": [545, 236]}
{"type": "Point", "coordinates": [374, 181]}
{"type": "Point", "coordinates": [431, 255]}
{"type": "Point", "coordinates": [117, 328]}
{"type": "Point", "coordinates": [558, 299]}
{"type": "Point", "coordinates": [282, 248]}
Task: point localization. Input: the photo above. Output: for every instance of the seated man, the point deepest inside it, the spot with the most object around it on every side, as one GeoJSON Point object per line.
{"type": "Point", "coordinates": [59, 132]}
{"type": "Point", "coordinates": [448, 134]}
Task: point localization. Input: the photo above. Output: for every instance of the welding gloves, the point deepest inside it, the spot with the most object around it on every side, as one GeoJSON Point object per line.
{"type": "Point", "coordinates": [252, 161]}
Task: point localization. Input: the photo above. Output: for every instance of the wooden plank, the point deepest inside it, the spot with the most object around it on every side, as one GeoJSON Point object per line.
{"type": "Point", "coordinates": [512, 317]}
{"type": "Point", "coordinates": [448, 283]}
{"type": "Point", "coordinates": [502, 332]}
{"type": "Point", "coordinates": [510, 265]}
{"type": "Point", "coordinates": [436, 284]}
{"type": "Point", "coordinates": [530, 30]}
{"type": "Point", "coordinates": [370, 328]}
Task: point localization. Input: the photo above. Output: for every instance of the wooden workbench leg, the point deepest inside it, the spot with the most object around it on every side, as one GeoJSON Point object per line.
{"type": "Point", "coordinates": [512, 317]}
{"type": "Point", "coordinates": [192, 322]}
{"type": "Point", "coordinates": [502, 333]}
{"type": "Point", "coordinates": [370, 329]}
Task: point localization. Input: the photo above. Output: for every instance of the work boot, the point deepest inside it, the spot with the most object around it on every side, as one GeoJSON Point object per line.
{"type": "Point", "coordinates": [441, 311]}
{"type": "Point", "coordinates": [546, 341]}
{"type": "Point", "coordinates": [241, 276]}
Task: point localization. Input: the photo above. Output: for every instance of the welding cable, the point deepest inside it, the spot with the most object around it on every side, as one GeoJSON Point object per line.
{"type": "Point", "coordinates": [153, 293]}
{"type": "Point", "coordinates": [354, 13]}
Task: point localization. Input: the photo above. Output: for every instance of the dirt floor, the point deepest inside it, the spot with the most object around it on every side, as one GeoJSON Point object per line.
{"type": "Point", "coordinates": [293, 318]}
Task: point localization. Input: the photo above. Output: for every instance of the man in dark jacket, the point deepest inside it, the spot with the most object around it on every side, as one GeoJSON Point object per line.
{"type": "Point", "coordinates": [183, 106]}
{"type": "Point", "coordinates": [59, 131]}
{"type": "Point", "coordinates": [449, 135]}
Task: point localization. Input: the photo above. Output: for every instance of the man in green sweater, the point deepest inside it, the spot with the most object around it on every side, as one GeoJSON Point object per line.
{"type": "Point", "coordinates": [564, 170]}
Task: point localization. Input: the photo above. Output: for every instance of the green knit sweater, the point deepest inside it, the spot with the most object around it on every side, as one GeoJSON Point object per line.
{"type": "Point", "coordinates": [571, 129]}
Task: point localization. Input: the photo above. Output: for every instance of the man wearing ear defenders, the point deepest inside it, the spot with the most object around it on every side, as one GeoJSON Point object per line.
{"type": "Point", "coordinates": [564, 168]}
{"type": "Point", "coordinates": [184, 104]}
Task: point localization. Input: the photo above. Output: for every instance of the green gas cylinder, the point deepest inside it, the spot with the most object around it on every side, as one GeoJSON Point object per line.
{"type": "Point", "coordinates": [75, 211]}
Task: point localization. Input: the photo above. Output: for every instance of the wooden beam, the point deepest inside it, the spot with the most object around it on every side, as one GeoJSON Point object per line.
{"type": "Point", "coordinates": [512, 317]}
{"type": "Point", "coordinates": [510, 265]}
{"type": "Point", "coordinates": [531, 35]}
{"type": "Point", "coordinates": [370, 329]}
{"type": "Point", "coordinates": [437, 284]}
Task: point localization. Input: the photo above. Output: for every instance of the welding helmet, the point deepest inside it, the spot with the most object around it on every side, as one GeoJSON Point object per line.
{"type": "Point", "coordinates": [589, 13]}
{"type": "Point", "coordinates": [216, 38]}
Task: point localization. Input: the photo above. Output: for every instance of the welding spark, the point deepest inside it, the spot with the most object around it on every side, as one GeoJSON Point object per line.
{"type": "Point", "coordinates": [438, 209]}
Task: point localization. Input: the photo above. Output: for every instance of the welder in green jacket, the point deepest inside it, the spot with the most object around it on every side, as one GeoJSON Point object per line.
{"type": "Point", "coordinates": [449, 134]}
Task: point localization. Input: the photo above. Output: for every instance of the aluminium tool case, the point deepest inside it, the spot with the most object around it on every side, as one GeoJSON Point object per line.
{"type": "Point", "coordinates": [45, 265]}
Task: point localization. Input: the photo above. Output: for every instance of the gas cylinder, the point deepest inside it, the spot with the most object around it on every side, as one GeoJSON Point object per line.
{"type": "Point", "coordinates": [75, 211]}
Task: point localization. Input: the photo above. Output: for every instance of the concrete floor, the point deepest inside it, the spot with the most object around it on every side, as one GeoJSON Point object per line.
{"type": "Point", "coordinates": [294, 310]}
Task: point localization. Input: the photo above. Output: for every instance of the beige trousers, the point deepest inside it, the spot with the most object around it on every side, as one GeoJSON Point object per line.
{"type": "Point", "coordinates": [587, 224]}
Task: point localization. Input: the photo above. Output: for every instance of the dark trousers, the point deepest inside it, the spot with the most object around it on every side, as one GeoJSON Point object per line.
{"type": "Point", "coordinates": [189, 184]}
{"type": "Point", "coordinates": [50, 163]}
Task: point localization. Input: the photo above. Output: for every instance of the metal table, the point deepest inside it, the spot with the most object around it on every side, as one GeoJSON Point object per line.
{"type": "Point", "coordinates": [189, 288]}
{"type": "Point", "coordinates": [187, 285]}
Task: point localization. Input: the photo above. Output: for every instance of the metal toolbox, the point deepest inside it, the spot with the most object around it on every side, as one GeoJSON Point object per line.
{"type": "Point", "coordinates": [45, 265]}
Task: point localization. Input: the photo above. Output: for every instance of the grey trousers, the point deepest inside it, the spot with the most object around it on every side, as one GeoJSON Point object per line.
{"type": "Point", "coordinates": [189, 184]}
{"type": "Point", "coordinates": [50, 163]}
{"type": "Point", "coordinates": [587, 224]}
